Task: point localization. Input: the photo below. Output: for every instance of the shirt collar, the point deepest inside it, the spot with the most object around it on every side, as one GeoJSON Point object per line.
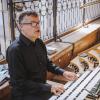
{"type": "Point", "coordinates": [26, 40]}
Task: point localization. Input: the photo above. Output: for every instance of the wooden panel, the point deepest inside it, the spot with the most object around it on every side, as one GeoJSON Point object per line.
{"type": "Point", "coordinates": [98, 35]}
{"type": "Point", "coordinates": [85, 42]}
{"type": "Point", "coordinates": [3, 61]}
{"type": "Point", "coordinates": [94, 47]}
{"type": "Point", "coordinates": [64, 59]}
{"type": "Point", "coordinates": [5, 91]}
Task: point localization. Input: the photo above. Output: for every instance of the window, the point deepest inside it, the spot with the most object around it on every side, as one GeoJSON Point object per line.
{"type": "Point", "coordinates": [69, 14]}
{"type": "Point", "coordinates": [4, 27]}
{"type": "Point", "coordinates": [66, 15]}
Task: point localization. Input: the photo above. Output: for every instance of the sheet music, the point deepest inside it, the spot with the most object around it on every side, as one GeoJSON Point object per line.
{"type": "Point", "coordinates": [51, 50]}
{"type": "Point", "coordinates": [4, 73]}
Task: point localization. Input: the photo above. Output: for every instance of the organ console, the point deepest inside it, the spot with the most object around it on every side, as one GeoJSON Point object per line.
{"type": "Point", "coordinates": [88, 64]}
{"type": "Point", "coordinates": [79, 89]}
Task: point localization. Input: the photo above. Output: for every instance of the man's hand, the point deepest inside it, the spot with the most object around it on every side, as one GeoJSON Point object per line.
{"type": "Point", "coordinates": [57, 89]}
{"type": "Point", "coordinates": [70, 76]}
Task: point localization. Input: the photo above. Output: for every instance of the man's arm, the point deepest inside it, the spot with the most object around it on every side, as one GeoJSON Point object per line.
{"type": "Point", "coordinates": [50, 66]}
{"type": "Point", "coordinates": [53, 68]}
{"type": "Point", "coordinates": [59, 71]}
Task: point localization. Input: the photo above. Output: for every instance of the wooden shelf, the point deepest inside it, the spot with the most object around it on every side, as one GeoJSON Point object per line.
{"type": "Point", "coordinates": [3, 61]}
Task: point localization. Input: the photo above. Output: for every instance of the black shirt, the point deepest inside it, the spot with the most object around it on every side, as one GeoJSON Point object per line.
{"type": "Point", "coordinates": [28, 65]}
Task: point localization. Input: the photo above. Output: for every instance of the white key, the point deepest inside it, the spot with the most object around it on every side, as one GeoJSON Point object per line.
{"type": "Point", "coordinates": [68, 84]}
{"type": "Point", "coordinates": [89, 87]}
{"type": "Point", "coordinates": [65, 87]}
{"type": "Point", "coordinates": [83, 84]}
{"type": "Point", "coordinates": [71, 88]}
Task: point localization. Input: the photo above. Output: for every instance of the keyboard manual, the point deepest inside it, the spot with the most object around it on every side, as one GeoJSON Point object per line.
{"type": "Point", "coordinates": [95, 92]}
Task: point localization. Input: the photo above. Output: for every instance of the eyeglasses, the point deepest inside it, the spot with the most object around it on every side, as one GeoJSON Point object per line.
{"type": "Point", "coordinates": [33, 23]}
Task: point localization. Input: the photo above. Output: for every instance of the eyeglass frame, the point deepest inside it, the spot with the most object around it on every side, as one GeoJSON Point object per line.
{"type": "Point", "coordinates": [32, 23]}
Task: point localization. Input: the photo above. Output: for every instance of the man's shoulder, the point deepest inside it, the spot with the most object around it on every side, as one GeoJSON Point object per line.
{"type": "Point", "coordinates": [40, 41]}
{"type": "Point", "coordinates": [14, 45]}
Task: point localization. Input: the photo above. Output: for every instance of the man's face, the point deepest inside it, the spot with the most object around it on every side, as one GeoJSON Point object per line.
{"type": "Point", "coordinates": [30, 27]}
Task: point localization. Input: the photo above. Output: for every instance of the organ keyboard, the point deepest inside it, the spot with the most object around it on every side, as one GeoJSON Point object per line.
{"type": "Point", "coordinates": [78, 90]}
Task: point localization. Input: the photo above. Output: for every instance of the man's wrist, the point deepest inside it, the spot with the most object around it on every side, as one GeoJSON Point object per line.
{"type": "Point", "coordinates": [61, 71]}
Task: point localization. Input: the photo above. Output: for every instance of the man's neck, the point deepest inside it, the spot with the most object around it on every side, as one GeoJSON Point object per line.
{"type": "Point", "coordinates": [31, 39]}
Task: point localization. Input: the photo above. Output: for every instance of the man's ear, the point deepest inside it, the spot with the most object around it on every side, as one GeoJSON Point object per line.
{"type": "Point", "coordinates": [20, 26]}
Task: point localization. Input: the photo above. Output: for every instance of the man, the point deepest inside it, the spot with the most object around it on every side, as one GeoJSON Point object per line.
{"type": "Point", "coordinates": [28, 63]}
